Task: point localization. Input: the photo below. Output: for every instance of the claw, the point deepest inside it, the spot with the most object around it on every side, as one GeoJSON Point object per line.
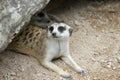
{"type": "Point", "coordinates": [81, 72]}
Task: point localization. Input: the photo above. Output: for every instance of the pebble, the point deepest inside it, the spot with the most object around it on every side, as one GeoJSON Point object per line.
{"type": "Point", "coordinates": [76, 22]}
{"type": "Point", "coordinates": [22, 69]}
{"type": "Point", "coordinates": [61, 78]}
{"type": "Point", "coordinates": [102, 60]}
{"type": "Point", "coordinates": [118, 59]}
{"type": "Point", "coordinates": [108, 66]}
{"type": "Point", "coordinates": [96, 78]}
{"type": "Point", "coordinates": [113, 68]}
{"type": "Point", "coordinates": [93, 59]}
{"type": "Point", "coordinates": [12, 78]}
{"type": "Point", "coordinates": [110, 63]}
{"type": "Point", "coordinates": [13, 74]}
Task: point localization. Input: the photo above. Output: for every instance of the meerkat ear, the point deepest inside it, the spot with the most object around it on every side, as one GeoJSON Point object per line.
{"type": "Point", "coordinates": [70, 31]}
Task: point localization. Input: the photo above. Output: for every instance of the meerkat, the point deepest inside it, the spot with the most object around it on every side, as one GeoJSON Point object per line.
{"type": "Point", "coordinates": [46, 45]}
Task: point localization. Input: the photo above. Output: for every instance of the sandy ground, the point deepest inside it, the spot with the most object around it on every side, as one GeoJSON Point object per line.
{"type": "Point", "coordinates": [94, 45]}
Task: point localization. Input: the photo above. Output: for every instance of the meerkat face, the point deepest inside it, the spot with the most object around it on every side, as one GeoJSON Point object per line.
{"type": "Point", "coordinates": [59, 30]}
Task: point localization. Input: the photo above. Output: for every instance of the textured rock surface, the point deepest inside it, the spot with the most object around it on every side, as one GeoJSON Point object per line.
{"type": "Point", "coordinates": [14, 14]}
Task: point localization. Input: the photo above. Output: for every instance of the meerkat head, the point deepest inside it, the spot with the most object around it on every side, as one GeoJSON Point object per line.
{"type": "Point", "coordinates": [59, 31]}
{"type": "Point", "coordinates": [43, 19]}
{"type": "Point", "coordinates": [40, 19]}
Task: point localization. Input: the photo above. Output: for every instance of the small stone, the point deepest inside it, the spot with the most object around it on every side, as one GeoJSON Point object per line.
{"type": "Point", "coordinates": [10, 41]}
{"type": "Point", "coordinates": [48, 78]}
{"type": "Point", "coordinates": [76, 23]}
{"type": "Point", "coordinates": [110, 63]}
{"type": "Point", "coordinates": [11, 78]}
{"type": "Point", "coordinates": [21, 69]}
{"type": "Point", "coordinates": [93, 59]}
{"type": "Point", "coordinates": [113, 68]}
{"type": "Point", "coordinates": [118, 59]}
{"type": "Point", "coordinates": [102, 60]}
{"type": "Point", "coordinates": [108, 66]}
{"type": "Point", "coordinates": [95, 78]}
{"type": "Point", "coordinates": [61, 78]}
{"type": "Point", "coordinates": [13, 74]}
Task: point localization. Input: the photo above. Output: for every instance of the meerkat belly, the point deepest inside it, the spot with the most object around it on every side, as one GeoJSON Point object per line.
{"type": "Point", "coordinates": [52, 49]}
{"type": "Point", "coordinates": [55, 49]}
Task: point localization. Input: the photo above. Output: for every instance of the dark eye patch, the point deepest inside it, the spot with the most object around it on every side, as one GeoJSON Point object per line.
{"type": "Point", "coordinates": [41, 14]}
{"type": "Point", "coordinates": [61, 28]}
{"type": "Point", "coordinates": [51, 29]}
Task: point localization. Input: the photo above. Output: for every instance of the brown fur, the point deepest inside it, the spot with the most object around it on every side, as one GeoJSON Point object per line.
{"type": "Point", "coordinates": [34, 41]}
{"type": "Point", "coordinates": [30, 41]}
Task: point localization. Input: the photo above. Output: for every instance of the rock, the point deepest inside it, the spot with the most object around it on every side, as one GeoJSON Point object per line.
{"type": "Point", "coordinates": [14, 14]}
{"type": "Point", "coordinates": [108, 66]}
{"type": "Point", "coordinates": [13, 74]}
{"type": "Point", "coordinates": [77, 23]}
{"type": "Point", "coordinates": [118, 59]}
{"type": "Point", "coordinates": [113, 68]}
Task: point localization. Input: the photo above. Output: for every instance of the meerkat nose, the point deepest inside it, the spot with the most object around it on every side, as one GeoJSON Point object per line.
{"type": "Point", "coordinates": [53, 34]}
{"type": "Point", "coordinates": [48, 21]}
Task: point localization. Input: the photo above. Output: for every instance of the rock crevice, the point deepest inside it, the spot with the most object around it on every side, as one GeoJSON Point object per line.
{"type": "Point", "coordinates": [13, 16]}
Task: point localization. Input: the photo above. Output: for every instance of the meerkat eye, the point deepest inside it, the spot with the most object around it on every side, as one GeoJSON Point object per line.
{"type": "Point", "coordinates": [61, 28]}
{"type": "Point", "coordinates": [51, 29]}
{"type": "Point", "coordinates": [41, 14]}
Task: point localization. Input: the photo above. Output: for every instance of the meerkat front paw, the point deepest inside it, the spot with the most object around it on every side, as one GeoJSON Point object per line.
{"type": "Point", "coordinates": [81, 71]}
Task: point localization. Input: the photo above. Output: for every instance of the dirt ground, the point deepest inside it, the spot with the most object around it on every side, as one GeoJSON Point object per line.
{"type": "Point", "coordinates": [94, 45]}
